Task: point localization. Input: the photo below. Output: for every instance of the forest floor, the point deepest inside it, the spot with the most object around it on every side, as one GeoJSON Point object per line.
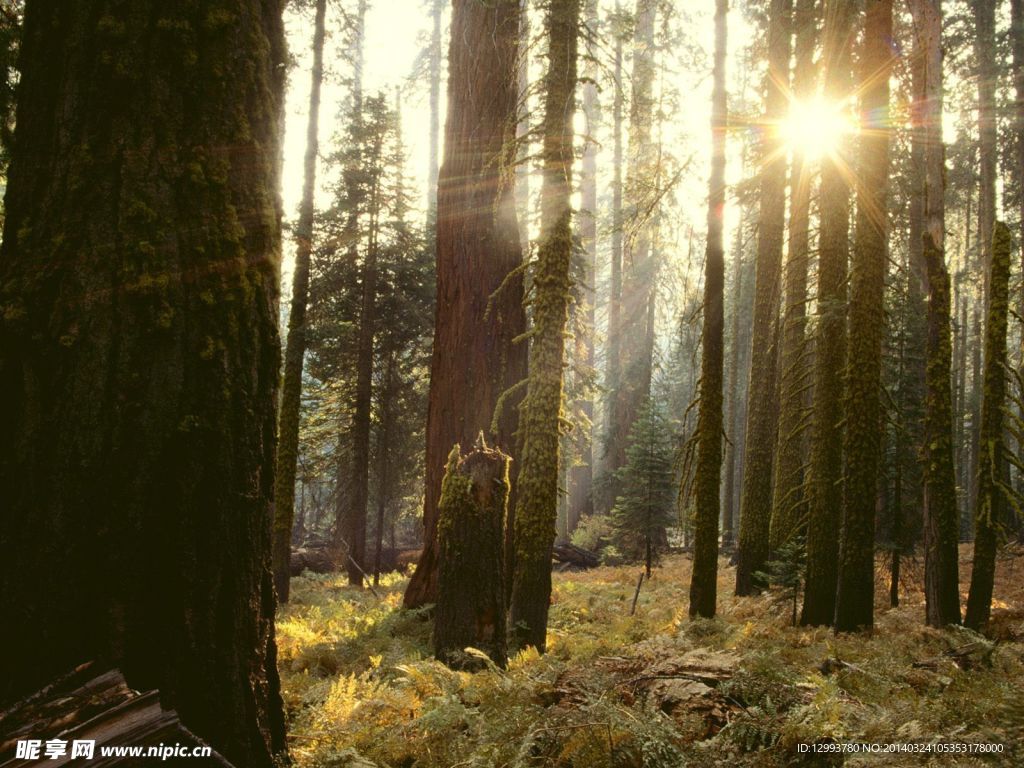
{"type": "Point", "coordinates": [654, 689]}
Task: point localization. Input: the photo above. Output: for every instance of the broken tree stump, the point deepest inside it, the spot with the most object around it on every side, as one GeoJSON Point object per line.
{"type": "Point", "coordinates": [470, 610]}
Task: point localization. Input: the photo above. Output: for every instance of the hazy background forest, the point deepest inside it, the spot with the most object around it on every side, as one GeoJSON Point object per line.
{"type": "Point", "coordinates": [522, 382]}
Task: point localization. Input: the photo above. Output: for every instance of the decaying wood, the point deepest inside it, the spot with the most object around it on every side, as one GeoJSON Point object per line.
{"type": "Point", "coordinates": [94, 704]}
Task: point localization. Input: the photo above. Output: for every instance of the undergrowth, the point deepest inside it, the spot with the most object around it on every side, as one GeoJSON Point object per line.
{"type": "Point", "coordinates": [361, 688]}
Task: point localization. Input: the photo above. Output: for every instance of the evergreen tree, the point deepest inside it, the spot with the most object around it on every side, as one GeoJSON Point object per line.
{"type": "Point", "coordinates": [648, 482]}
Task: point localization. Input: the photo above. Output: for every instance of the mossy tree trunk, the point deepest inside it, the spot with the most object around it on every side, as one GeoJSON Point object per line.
{"type": "Point", "coordinates": [788, 507]}
{"type": "Point", "coordinates": [541, 409]}
{"type": "Point", "coordinates": [478, 251]}
{"type": "Point", "coordinates": [862, 438]}
{"type": "Point", "coordinates": [707, 479]}
{"type": "Point", "coordinates": [1017, 48]}
{"type": "Point", "coordinates": [470, 608]}
{"type": "Point", "coordinates": [295, 351]}
{"type": "Point", "coordinates": [139, 358]}
{"type": "Point", "coordinates": [993, 485]}
{"type": "Point", "coordinates": [762, 394]}
{"type": "Point", "coordinates": [941, 526]}
{"type": "Point", "coordinates": [826, 461]}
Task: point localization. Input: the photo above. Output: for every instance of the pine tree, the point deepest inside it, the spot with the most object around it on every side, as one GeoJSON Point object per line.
{"type": "Point", "coordinates": [139, 358]}
{"type": "Point", "coordinates": [648, 482]}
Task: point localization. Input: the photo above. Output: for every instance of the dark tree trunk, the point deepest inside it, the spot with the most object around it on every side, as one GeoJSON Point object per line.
{"type": "Point", "coordinates": [356, 510]}
{"type": "Point", "coordinates": [291, 387]}
{"type": "Point", "coordinates": [788, 507]}
{"type": "Point", "coordinates": [384, 437]}
{"type": "Point", "coordinates": [139, 358]}
{"type": "Point", "coordinates": [826, 461]}
{"type": "Point", "coordinates": [477, 251]}
{"type": "Point", "coordinates": [471, 539]}
{"type": "Point", "coordinates": [992, 485]}
{"type": "Point", "coordinates": [941, 527]}
{"type": "Point", "coordinates": [862, 438]}
{"type": "Point", "coordinates": [762, 395]}
{"type": "Point", "coordinates": [704, 580]}
{"type": "Point", "coordinates": [1017, 47]}
{"type": "Point", "coordinates": [540, 412]}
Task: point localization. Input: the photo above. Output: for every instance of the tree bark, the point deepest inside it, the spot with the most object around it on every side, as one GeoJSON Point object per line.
{"type": "Point", "coordinates": [478, 252]}
{"type": "Point", "coordinates": [942, 593]}
{"type": "Point", "coordinates": [139, 358]}
{"type": "Point", "coordinates": [704, 579]}
{"type": "Point", "coordinates": [295, 351]}
{"type": "Point", "coordinates": [788, 503]}
{"type": "Point", "coordinates": [541, 409]}
{"type": "Point", "coordinates": [471, 539]}
{"type": "Point", "coordinates": [862, 438]}
{"type": "Point", "coordinates": [992, 484]}
{"type": "Point", "coordinates": [826, 461]}
{"type": "Point", "coordinates": [762, 395]}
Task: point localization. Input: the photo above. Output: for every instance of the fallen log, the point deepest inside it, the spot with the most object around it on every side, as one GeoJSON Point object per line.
{"type": "Point", "coordinates": [577, 556]}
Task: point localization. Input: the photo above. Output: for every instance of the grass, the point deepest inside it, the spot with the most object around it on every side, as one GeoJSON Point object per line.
{"type": "Point", "coordinates": [361, 688]}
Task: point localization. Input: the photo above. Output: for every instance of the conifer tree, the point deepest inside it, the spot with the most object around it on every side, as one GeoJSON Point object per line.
{"type": "Point", "coordinates": [647, 504]}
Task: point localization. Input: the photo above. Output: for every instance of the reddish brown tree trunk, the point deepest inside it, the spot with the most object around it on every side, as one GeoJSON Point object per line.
{"type": "Point", "coordinates": [474, 358]}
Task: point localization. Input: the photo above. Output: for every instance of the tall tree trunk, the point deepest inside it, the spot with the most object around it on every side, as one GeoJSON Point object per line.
{"type": "Point", "coordinates": [826, 461]}
{"type": "Point", "coordinates": [1017, 47]}
{"type": "Point", "coordinates": [862, 438]}
{"type": "Point", "coordinates": [762, 396]}
{"type": "Point", "coordinates": [788, 509]}
{"type": "Point", "coordinates": [139, 358]}
{"type": "Point", "coordinates": [541, 409]}
{"type": "Point", "coordinates": [384, 437]}
{"type": "Point", "coordinates": [992, 485]}
{"type": "Point", "coordinates": [733, 423]}
{"type": "Point", "coordinates": [523, 158]}
{"type": "Point", "coordinates": [581, 477]}
{"type": "Point", "coordinates": [704, 579]}
{"type": "Point", "coordinates": [634, 381]}
{"type": "Point", "coordinates": [291, 387]}
{"type": "Point", "coordinates": [359, 495]}
{"type": "Point", "coordinates": [987, 80]}
{"type": "Point", "coordinates": [942, 593]}
{"type": "Point", "coordinates": [478, 251]}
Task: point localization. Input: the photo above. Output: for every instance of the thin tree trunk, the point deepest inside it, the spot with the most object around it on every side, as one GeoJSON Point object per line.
{"type": "Point", "coordinates": [704, 579]}
{"type": "Point", "coordinates": [942, 594]}
{"type": "Point", "coordinates": [433, 164]}
{"type": "Point", "coordinates": [732, 419]}
{"type": "Point", "coordinates": [762, 396]}
{"type": "Point", "coordinates": [992, 485]}
{"type": "Point", "coordinates": [295, 352]}
{"type": "Point", "coordinates": [581, 477]}
{"type": "Point", "coordinates": [478, 251]}
{"type": "Point", "coordinates": [139, 359]}
{"type": "Point", "coordinates": [788, 508]}
{"type": "Point", "coordinates": [862, 437]}
{"type": "Point", "coordinates": [384, 438]}
{"type": "Point", "coordinates": [541, 409]}
{"type": "Point", "coordinates": [355, 522]}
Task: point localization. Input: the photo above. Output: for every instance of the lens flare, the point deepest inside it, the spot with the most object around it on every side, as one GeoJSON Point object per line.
{"type": "Point", "coordinates": [816, 128]}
